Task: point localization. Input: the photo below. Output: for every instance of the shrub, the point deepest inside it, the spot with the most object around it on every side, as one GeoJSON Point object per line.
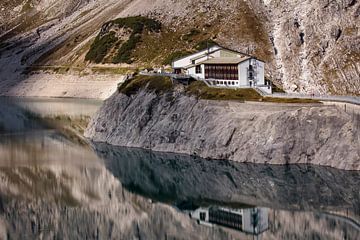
{"type": "Point", "coordinates": [124, 53]}
{"type": "Point", "coordinates": [103, 43]}
{"type": "Point", "coordinates": [100, 47]}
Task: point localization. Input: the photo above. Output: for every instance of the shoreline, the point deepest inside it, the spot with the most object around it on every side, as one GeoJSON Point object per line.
{"type": "Point", "coordinates": [195, 157]}
{"type": "Point", "coordinates": [50, 85]}
{"type": "Point", "coordinates": [277, 134]}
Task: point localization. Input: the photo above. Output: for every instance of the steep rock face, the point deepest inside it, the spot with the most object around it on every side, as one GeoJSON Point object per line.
{"type": "Point", "coordinates": [317, 45]}
{"type": "Point", "coordinates": [244, 132]}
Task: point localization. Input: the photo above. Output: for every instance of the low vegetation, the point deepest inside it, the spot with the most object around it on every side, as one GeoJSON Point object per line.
{"type": "Point", "coordinates": [101, 47]}
{"type": "Point", "coordinates": [107, 40]}
{"type": "Point", "coordinates": [202, 91]}
{"type": "Point", "coordinates": [156, 84]}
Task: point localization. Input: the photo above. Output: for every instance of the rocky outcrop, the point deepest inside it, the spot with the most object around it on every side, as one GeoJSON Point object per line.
{"type": "Point", "coordinates": [243, 132]}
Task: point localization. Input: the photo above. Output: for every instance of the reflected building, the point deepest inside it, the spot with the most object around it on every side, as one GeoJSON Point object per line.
{"type": "Point", "coordinates": [252, 221]}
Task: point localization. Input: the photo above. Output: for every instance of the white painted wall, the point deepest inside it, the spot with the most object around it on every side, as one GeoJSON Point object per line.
{"type": "Point", "coordinates": [196, 214]}
{"type": "Point", "coordinates": [263, 223]}
{"type": "Point", "coordinates": [243, 78]}
{"type": "Point", "coordinates": [261, 72]}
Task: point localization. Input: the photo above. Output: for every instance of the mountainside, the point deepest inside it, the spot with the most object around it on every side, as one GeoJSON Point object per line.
{"type": "Point", "coordinates": [309, 46]}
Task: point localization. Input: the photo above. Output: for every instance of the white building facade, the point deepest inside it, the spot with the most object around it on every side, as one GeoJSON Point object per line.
{"type": "Point", "coordinates": [225, 68]}
{"type": "Point", "coordinates": [250, 220]}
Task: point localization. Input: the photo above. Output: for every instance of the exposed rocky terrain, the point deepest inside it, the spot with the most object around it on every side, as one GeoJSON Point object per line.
{"type": "Point", "coordinates": [243, 132]}
{"type": "Point", "coordinates": [309, 46]}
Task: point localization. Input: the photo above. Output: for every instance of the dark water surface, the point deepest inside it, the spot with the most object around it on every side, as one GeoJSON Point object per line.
{"type": "Point", "coordinates": [51, 188]}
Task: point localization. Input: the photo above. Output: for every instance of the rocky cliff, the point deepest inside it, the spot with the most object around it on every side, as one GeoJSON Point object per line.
{"type": "Point", "coordinates": [243, 132]}
{"type": "Point", "coordinates": [309, 46]}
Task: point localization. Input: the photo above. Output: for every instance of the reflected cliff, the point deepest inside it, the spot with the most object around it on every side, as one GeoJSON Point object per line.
{"type": "Point", "coordinates": [52, 188]}
{"type": "Point", "coordinates": [179, 178]}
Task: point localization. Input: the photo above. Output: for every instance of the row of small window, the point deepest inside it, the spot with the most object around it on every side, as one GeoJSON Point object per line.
{"type": "Point", "coordinates": [227, 83]}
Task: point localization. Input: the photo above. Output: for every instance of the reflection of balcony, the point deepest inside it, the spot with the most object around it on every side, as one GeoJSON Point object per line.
{"type": "Point", "coordinates": [250, 220]}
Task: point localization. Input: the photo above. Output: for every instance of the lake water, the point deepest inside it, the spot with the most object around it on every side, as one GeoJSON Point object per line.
{"type": "Point", "coordinates": [52, 188]}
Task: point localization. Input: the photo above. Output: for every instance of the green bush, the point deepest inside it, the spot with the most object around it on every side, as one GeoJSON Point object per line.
{"type": "Point", "coordinates": [102, 44]}
{"type": "Point", "coordinates": [138, 23]}
{"type": "Point", "coordinates": [100, 47]}
{"type": "Point", "coordinates": [124, 53]}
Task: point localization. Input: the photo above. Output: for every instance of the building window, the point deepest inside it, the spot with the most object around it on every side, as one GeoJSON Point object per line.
{"type": "Point", "coordinates": [198, 69]}
{"type": "Point", "coordinates": [202, 216]}
{"type": "Point", "coordinates": [193, 61]}
{"type": "Point", "coordinates": [222, 71]}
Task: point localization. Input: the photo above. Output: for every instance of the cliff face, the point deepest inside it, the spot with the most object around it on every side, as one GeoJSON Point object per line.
{"type": "Point", "coordinates": [309, 46]}
{"type": "Point", "coordinates": [244, 132]}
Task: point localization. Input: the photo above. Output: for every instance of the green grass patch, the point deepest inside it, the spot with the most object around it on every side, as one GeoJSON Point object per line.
{"type": "Point", "coordinates": [176, 55]}
{"type": "Point", "coordinates": [138, 24]}
{"type": "Point", "coordinates": [155, 84]}
{"type": "Point", "coordinates": [289, 100]}
{"type": "Point", "coordinates": [101, 47]}
{"type": "Point", "coordinates": [106, 41]}
{"type": "Point", "coordinates": [202, 91]}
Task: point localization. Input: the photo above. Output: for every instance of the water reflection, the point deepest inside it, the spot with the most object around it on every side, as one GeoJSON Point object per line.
{"type": "Point", "coordinates": [253, 221]}
{"type": "Point", "coordinates": [51, 188]}
{"type": "Point", "coordinates": [303, 202]}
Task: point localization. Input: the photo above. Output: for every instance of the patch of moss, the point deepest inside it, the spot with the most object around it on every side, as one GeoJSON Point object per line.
{"type": "Point", "coordinates": [176, 55]}
{"type": "Point", "coordinates": [100, 47]}
{"type": "Point", "coordinates": [155, 84]}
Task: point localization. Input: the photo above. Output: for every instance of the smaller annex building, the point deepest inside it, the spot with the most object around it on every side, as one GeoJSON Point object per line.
{"type": "Point", "coordinates": [222, 67]}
